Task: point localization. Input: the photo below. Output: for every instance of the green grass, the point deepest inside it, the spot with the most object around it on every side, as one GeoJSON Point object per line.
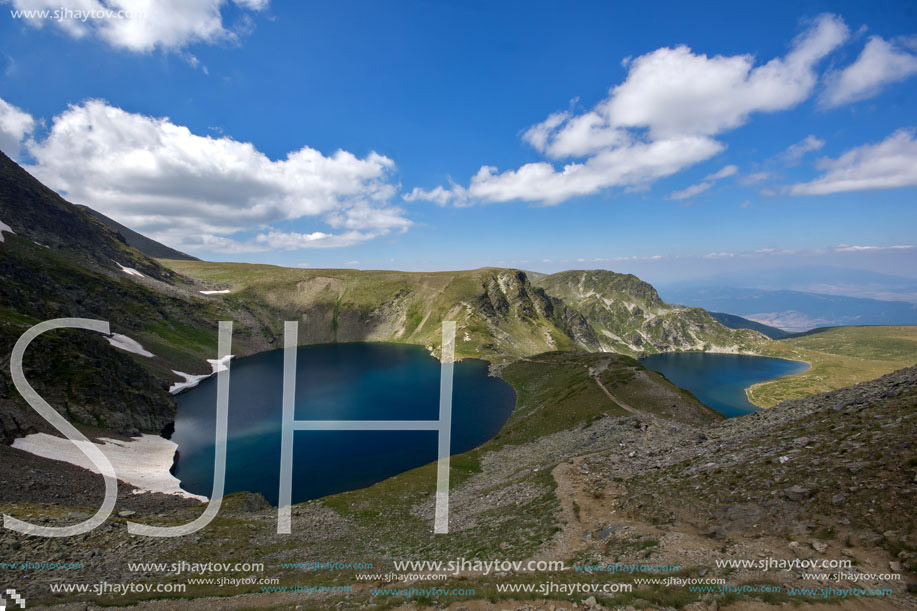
{"type": "Point", "coordinates": [841, 356]}
{"type": "Point", "coordinates": [878, 343]}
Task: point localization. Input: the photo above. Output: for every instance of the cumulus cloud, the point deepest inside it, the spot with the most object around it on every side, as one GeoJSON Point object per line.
{"type": "Point", "coordinates": [634, 164]}
{"type": "Point", "coordinates": [676, 92]}
{"type": "Point", "coordinates": [880, 63]}
{"type": "Point", "coordinates": [438, 195]}
{"type": "Point", "coordinates": [889, 164]}
{"type": "Point", "coordinates": [15, 125]}
{"type": "Point", "coordinates": [197, 192]}
{"type": "Point", "coordinates": [140, 25]}
{"type": "Point", "coordinates": [660, 120]}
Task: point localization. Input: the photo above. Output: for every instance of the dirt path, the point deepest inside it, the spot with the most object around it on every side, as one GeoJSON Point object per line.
{"type": "Point", "coordinates": [585, 512]}
{"type": "Point", "coordinates": [616, 400]}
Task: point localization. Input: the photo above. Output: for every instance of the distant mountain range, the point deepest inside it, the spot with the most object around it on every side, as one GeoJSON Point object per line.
{"type": "Point", "coordinates": [737, 322]}
{"type": "Point", "coordinates": [819, 279]}
{"type": "Point", "coordinates": [794, 311]}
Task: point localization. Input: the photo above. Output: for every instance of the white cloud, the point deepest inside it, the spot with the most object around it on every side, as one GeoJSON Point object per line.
{"type": "Point", "coordinates": [660, 120]}
{"type": "Point", "coordinates": [438, 195]}
{"type": "Point", "coordinates": [755, 178]}
{"type": "Point", "coordinates": [675, 92]}
{"type": "Point", "coordinates": [879, 64]}
{"type": "Point", "coordinates": [724, 172]}
{"type": "Point", "coordinates": [690, 191]}
{"type": "Point", "coordinates": [196, 192]}
{"type": "Point", "coordinates": [856, 248]}
{"type": "Point", "coordinates": [636, 163]}
{"type": "Point", "coordinates": [15, 125]}
{"type": "Point", "coordinates": [141, 25]}
{"type": "Point", "coordinates": [795, 152]}
{"type": "Point", "coordinates": [889, 164]}
{"type": "Point", "coordinates": [278, 240]}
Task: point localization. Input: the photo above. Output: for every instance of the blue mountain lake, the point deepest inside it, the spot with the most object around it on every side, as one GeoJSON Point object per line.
{"type": "Point", "coordinates": [358, 381]}
{"type": "Point", "coordinates": [720, 380]}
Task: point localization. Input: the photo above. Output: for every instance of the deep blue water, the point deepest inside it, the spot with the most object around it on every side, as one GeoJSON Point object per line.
{"type": "Point", "coordinates": [359, 381]}
{"type": "Point", "coordinates": [720, 380]}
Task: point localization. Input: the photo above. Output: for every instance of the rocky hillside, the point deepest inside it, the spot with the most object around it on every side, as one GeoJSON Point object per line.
{"type": "Point", "coordinates": [57, 261]}
{"type": "Point", "coordinates": [626, 315]}
{"type": "Point", "coordinates": [573, 476]}
{"type": "Point", "coordinates": [836, 471]}
{"type": "Point", "coordinates": [499, 313]}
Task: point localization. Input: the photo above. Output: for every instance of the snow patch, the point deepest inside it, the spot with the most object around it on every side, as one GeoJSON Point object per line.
{"type": "Point", "coordinates": [143, 462]}
{"type": "Point", "coordinates": [223, 292]}
{"type": "Point", "coordinates": [192, 380]}
{"type": "Point", "coordinates": [5, 227]}
{"type": "Point", "coordinates": [128, 345]}
{"type": "Point", "coordinates": [130, 271]}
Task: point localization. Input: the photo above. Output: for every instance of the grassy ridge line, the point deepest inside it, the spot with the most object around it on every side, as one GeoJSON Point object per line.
{"type": "Point", "coordinates": [497, 313]}
{"type": "Point", "coordinates": [841, 356]}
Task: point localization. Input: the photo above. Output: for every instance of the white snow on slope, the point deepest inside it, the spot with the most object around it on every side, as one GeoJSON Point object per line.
{"type": "Point", "coordinates": [192, 380]}
{"type": "Point", "coordinates": [143, 462]}
{"type": "Point", "coordinates": [127, 344]}
{"type": "Point", "coordinates": [130, 271]}
{"type": "Point", "coordinates": [6, 228]}
{"type": "Point", "coordinates": [223, 292]}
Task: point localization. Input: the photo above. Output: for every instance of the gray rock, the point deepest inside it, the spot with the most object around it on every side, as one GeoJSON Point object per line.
{"type": "Point", "coordinates": [797, 493]}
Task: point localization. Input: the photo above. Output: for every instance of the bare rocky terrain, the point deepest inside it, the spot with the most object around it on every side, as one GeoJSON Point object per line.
{"type": "Point", "coordinates": [829, 477]}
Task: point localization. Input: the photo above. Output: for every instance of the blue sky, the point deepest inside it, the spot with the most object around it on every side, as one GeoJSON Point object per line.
{"type": "Point", "coordinates": [696, 140]}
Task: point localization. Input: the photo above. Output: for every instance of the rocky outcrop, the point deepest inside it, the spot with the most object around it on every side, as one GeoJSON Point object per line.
{"type": "Point", "coordinates": [625, 314]}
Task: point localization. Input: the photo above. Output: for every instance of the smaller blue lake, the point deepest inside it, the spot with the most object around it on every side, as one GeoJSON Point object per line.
{"type": "Point", "coordinates": [720, 380]}
{"type": "Point", "coordinates": [359, 381]}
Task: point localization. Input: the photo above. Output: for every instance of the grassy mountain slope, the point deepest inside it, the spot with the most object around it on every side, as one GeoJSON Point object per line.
{"type": "Point", "coordinates": [840, 357]}
{"type": "Point", "coordinates": [498, 312]}
{"type": "Point", "coordinates": [628, 317]}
